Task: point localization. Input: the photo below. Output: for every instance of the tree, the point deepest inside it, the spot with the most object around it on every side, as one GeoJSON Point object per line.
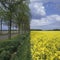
{"type": "Point", "coordinates": [22, 16]}
{"type": "Point", "coordinates": [15, 8]}
{"type": "Point", "coordinates": [1, 18]}
{"type": "Point", "coordinates": [9, 6]}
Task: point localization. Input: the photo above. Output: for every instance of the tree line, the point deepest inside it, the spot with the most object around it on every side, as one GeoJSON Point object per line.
{"type": "Point", "coordinates": [17, 12]}
{"type": "Point", "coordinates": [45, 30]}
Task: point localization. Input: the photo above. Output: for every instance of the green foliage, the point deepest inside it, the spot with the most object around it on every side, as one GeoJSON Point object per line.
{"type": "Point", "coordinates": [8, 47]}
{"type": "Point", "coordinates": [5, 55]}
{"type": "Point", "coordinates": [17, 12]}
{"type": "Point", "coordinates": [16, 49]}
{"type": "Point", "coordinates": [23, 52]}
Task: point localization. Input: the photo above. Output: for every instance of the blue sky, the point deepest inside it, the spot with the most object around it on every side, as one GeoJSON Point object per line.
{"type": "Point", "coordinates": [45, 14]}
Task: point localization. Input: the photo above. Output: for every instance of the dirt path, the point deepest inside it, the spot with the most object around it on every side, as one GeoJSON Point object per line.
{"type": "Point", "coordinates": [4, 37]}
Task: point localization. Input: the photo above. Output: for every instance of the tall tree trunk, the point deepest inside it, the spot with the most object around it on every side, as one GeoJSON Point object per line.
{"type": "Point", "coordinates": [9, 29]}
{"type": "Point", "coordinates": [22, 28]}
{"type": "Point", "coordinates": [19, 30]}
{"type": "Point", "coordinates": [1, 26]}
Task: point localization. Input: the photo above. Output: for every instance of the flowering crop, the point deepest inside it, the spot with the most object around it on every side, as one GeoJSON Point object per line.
{"type": "Point", "coordinates": [45, 45]}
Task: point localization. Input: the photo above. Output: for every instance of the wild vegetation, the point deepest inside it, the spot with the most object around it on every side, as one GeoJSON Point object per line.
{"type": "Point", "coordinates": [16, 49]}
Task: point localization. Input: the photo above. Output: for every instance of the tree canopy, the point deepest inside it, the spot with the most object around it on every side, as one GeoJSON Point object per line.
{"type": "Point", "coordinates": [16, 11]}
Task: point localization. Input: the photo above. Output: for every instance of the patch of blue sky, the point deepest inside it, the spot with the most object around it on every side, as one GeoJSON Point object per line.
{"type": "Point", "coordinates": [45, 14]}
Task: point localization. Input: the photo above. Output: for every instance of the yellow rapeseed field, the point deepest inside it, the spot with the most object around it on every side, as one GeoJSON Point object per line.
{"type": "Point", "coordinates": [45, 45]}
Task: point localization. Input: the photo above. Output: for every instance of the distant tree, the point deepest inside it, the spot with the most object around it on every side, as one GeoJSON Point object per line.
{"type": "Point", "coordinates": [56, 29]}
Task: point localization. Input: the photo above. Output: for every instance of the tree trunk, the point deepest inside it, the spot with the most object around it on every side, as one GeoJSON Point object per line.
{"type": "Point", "coordinates": [19, 30]}
{"type": "Point", "coordinates": [1, 26]}
{"type": "Point", "coordinates": [9, 29]}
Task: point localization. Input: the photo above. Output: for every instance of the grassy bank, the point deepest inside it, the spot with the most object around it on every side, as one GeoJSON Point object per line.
{"type": "Point", "coordinates": [17, 48]}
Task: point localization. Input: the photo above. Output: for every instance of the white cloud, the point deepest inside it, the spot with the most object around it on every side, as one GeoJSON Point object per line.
{"type": "Point", "coordinates": [45, 1]}
{"type": "Point", "coordinates": [45, 21]}
{"type": "Point", "coordinates": [55, 17]}
{"type": "Point", "coordinates": [40, 22]}
{"type": "Point", "coordinates": [38, 8]}
{"type": "Point", "coordinates": [34, 0]}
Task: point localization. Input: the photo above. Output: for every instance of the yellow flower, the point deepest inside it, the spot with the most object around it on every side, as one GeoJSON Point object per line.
{"type": "Point", "coordinates": [45, 42]}
{"type": "Point", "coordinates": [59, 57]}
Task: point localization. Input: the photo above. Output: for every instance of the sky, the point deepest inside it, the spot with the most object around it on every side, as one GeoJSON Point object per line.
{"type": "Point", "coordinates": [45, 14]}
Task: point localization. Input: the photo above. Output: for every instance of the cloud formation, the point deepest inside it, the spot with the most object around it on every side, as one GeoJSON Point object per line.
{"type": "Point", "coordinates": [45, 1]}
{"type": "Point", "coordinates": [37, 9]}
{"type": "Point", "coordinates": [45, 14]}
{"type": "Point", "coordinates": [45, 21]}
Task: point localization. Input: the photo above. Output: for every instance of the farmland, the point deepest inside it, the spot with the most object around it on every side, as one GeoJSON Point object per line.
{"type": "Point", "coordinates": [39, 45]}
{"type": "Point", "coordinates": [45, 45]}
